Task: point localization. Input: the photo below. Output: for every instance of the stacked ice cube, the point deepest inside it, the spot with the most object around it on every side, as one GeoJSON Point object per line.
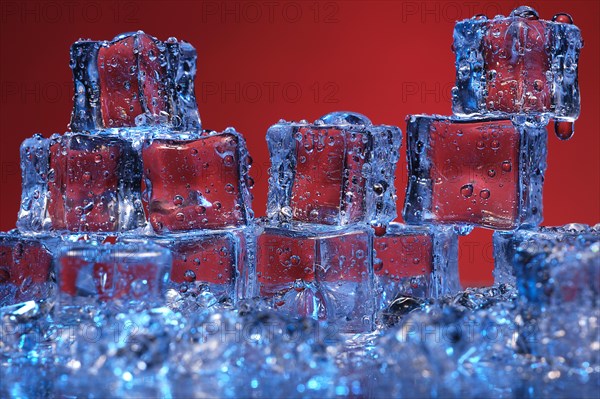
{"type": "Point", "coordinates": [485, 165]}
{"type": "Point", "coordinates": [328, 248]}
{"type": "Point", "coordinates": [137, 168]}
{"type": "Point", "coordinates": [137, 207]}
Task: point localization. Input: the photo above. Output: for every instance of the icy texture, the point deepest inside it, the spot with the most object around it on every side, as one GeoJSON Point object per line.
{"type": "Point", "coordinates": [517, 64]}
{"type": "Point", "coordinates": [25, 269]}
{"type": "Point", "coordinates": [326, 274]}
{"type": "Point", "coordinates": [415, 261]}
{"type": "Point", "coordinates": [133, 79]}
{"type": "Point", "coordinates": [336, 171]}
{"type": "Point", "coordinates": [208, 263]}
{"type": "Point", "coordinates": [506, 243]}
{"type": "Point", "coordinates": [89, 273]}
{"type": "Point", "coordinates": [197, 182]}
{"type": "Point", "coordinates": [470, 345]}
{"type": "Point", "coordinates": [484, 172]}
{"type": "Point", "coordinates": [80, 182]}
{"type": "Point", "coordinates": [557, 264]}
{"type": "Point", "coordinates": [261, 354]}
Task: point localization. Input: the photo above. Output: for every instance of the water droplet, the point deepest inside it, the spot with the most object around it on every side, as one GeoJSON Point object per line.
{"type": "Point", "coordinates": [485, 193]}
{"type": "Point", "coordinates": [180, 217]}
{"type": "Point", "coordinates": [564, 130]}
{"type": "Point", "coordinates": [189, 276]}
{"type": "Point", "coordinates": [506, 166]}
{"type": "Point", "coordinates": [562, 18]}
{"type": "Point", "coordinates": [139, 287]}
{"type": "Point", "coordinates": [377, 265]}
{"type": "Point", "coordinates": [466, 190]}
{"type": "Point", "coordinates": [491, 173]}
{"type": "Point", "coordinates": [380, 230]}
{"type": "Point", "coordinates": [228, 160]}
{"type": "Point", "coordinates": [229, 188]}
{"type": "Point", "coordinates": [178, 200]}
{"type": "Point", "coordinates": [495, 144]}
{"type": "Point", "coordinates": [525, 12]}
{"type": "Point", "coordinates": [295, 260]}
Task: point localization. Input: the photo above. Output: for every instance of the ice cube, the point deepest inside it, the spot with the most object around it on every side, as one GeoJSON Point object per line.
{"type": "Point", "coordinates": [91, 273]}
{"type": "Point", "coordinates": [80, 182]}
{"type": "Point", "coordinates": [484, 172]}
{"type": "Point", "coordinates": [25, 269]}
{"type": "Point", "coordinates": [415, 261]}
{"type": "Point", "coordinates": [209, 260]}
{"type": "Point", "coordinates": [196, 183]}
{"type": "Point", "coordinates": [336, 171]}
{"type": "Point", "coordinates": [133, 78]}
{"type": "Point", "coordinates": [517, 64]}
{"type": "Point", "coordinates": [553, 265]}
{"type": "Point", "coordinates": [558, 278]}
{"type": "Point", "coordinates": [325, 273]}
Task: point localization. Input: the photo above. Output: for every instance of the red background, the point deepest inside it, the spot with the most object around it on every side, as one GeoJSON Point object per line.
{"type": "Point", "coordinates": [260, 61]}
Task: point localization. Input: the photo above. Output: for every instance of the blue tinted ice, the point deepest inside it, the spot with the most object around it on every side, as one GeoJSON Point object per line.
{"type": "Point", "coordinates": [536, 243]}
{"type": "Point", "coordinates": [119, 275]}
{"type": "Point", "coordinates": [323, 273]}
{"type": "Point", "coordinates": [556, 265]}
{"type": "Point", "coordinates": [415, 262]}
{"type": "Point", "coordinates": [518, 63]}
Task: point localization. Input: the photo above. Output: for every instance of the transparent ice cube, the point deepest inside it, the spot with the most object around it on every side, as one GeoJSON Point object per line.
{"type": "Point", "coordinates": [206, 264]}
{"type": "Point", "coordinates": [556, 264]}
{"type": "Point", "coordinates": [134, 75]}
{"type": "Point", "coordinates": [415, 261]}
{"type": "Point", "coordinates": [326, 274]}
{"type": "Point", "coordinates": [120, 274]}
{"type": "Point", "coordinates": [336, 171]}
{"type": "Point", "coordinates": [80, 182]}
{"type": "Point", "coordinates": [517, 64]}
{"type": "Point", "coordinates": [484, 172]}
{"type": "Point", "coordinates": [25, 269]}
{"type": "Point", "coordinates": [196, 182]}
